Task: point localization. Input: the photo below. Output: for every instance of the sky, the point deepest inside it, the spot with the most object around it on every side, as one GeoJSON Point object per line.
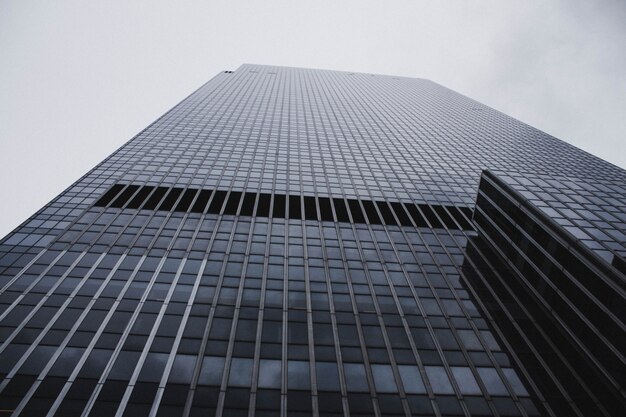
{"type": "Point", "coordinates": [78, 79]}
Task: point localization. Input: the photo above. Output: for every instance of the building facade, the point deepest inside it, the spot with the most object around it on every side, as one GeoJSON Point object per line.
{"type": "Point", "coordinates": [300, 242]}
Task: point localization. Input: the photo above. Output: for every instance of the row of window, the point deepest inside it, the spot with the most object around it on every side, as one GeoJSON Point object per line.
{"type": "Point", "coordinates": [285, 206]}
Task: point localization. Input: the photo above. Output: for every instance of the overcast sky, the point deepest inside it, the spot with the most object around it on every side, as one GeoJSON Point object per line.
{"type": "Point", "coordinates": [80, 78]}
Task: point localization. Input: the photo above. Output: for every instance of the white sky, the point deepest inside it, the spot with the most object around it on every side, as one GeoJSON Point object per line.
{"type": "Point", "coordinates": [80, 78]}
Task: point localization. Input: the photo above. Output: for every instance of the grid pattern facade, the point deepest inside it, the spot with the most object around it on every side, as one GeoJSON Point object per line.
{"type": "Point", "coordinates": [248, 309]}
{"type": "Point", "coordinates": [591, 211]}
{"type": "Point", "coordinates": [564, 310]}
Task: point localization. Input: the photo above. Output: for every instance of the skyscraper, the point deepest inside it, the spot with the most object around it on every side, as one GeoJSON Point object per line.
{"type": "Point", "coordinates": [300, 242]}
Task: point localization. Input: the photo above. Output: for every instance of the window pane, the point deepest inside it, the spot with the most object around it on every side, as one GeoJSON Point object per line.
{"type": "Point", "coordinates": [492, 381]}
{"type": "Point", "coordinates": [411, 379]}
{"type": "Point", "coordinates": [383, 378]}
{"type": "Point", "coordinates": [211, 371]}
{"type": "Point", "coordinates": [240, 372]}
{"type": "Point", "coordinates": [269, 373]}
{"type": "Point", "coordinates": [465, 380]}
{"type": "Point", "coordinates": [439, 380]}
{"type": "Point", "coordinates": [298, 375]}
{"type": "Point", "coordinates": [182, 369]}
{"type": "Point", "coordinates": [515, 382]}
{"type": "Point", "coordinates": [327, 376]}
{"type": "Point", "coordinates": [355, 377]}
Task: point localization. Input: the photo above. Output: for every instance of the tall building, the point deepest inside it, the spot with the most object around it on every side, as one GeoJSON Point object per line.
{"type": "Point", "coordinates": [295, 242]}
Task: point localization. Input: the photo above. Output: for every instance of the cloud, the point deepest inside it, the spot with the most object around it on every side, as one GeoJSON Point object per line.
{"type": "Point", "coordinates": [560, 67]}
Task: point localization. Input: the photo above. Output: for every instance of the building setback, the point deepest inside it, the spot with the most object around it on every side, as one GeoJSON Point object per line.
{"type": "Point", "coordinates": [296, 242]}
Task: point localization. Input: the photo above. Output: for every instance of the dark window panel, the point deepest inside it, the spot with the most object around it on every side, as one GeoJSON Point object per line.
{"type": "Point", "coordinates": [295, 210]}
{"type": "Point", "coordinates": [386, 213]}
{"type": "Point", "coordinates": [170, 199]}
{"type": "Point", "coordinates": [124, 196]}
{"type": "Point", "coordinates": [203, 198]}
{"type": "Point", "coordinates": [355, 210]}
{"type": "Point", "coordinates": [155, 198]}
{"type": "Point", "coordinates": [140, 197]}
{"type": "Point", "coordinates": [279, 206]}
{"type": "Point", "coordinates": [416, 215]}
{"type": "Point", "coordinates": [263, 207]}
{"type": "Point", "coordinates": [186, 200]}
{"type": "Point", "coordinates": [247, 207]}
{"type": "Point", "coordinates": [310, 208]}
{"type": "Point", "coordinates": [326, 210]}
{"type": "Point", "coordinates": [398, 209]}
{"type": "Point", "coordinates": [232, 204]}
{"type": "Point", "coordinates": [340, 210]}
{"type": "Point", "coordinates": [429, 214]}
{"type": "Point", "coordinates": [445, 217]}
{"type": "Point", "coordinates": [108, 196]}
{"type": "Point", "coordinates": [215, 207]}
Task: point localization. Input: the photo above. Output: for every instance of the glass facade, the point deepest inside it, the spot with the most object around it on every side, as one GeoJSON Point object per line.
{"type": "Point", "coordinates": [301, 242]}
